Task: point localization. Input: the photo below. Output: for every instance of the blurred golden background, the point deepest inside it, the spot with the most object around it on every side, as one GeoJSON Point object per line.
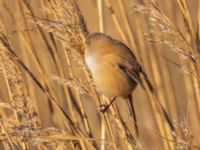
{"type": "Point", "coordinates": [47, 98]}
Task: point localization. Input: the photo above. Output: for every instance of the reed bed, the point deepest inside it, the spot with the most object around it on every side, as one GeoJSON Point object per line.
{"type": "Point", "coordinates": [47, 96]}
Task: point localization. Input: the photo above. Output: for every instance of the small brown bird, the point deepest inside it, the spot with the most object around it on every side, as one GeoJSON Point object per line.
{"type": "Point", "coordinates": [115, 69]}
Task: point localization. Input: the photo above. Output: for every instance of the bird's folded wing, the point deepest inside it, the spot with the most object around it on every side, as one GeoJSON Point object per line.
{"type": "Point", "coordinates": [131, 73]}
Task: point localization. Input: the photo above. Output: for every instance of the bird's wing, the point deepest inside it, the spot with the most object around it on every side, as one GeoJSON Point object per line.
{"type": "Point", "coordinates": [133, 72]}
{"type": "Point", "coordinates": [129, 64]}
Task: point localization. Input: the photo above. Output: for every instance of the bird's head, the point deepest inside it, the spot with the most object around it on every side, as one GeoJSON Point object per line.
{"type": "Point", "coordinates": [95, 38]}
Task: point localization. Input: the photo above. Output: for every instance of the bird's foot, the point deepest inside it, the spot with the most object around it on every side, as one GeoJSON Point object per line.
{"type": "Point", "coordinates": [103, 108]}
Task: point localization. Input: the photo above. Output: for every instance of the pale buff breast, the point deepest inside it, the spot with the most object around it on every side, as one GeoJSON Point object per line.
{"type": "Point", "coordinates": [110, 80]}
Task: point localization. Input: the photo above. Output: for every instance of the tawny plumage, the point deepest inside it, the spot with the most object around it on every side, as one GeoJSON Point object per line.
{"type": "Point", "coordinates": [115, 69]}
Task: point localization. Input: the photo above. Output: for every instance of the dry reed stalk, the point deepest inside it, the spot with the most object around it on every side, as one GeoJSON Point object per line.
{"type": "Point", "coordinates": [100, 15]}
{"type": "Point", "coordinates": [59, 9]}
{"type": "Point", "coordinates": [25, 114]}
{"type": "Point", "coordinates": [168, 77]}
{"type": "Point", "coordinates": [149, 62]}
{"type": "Point", "coordinates": [129, 30]}
{"type": "Point", "coordinates": [56, 105]}
{"type": "Point", "coordinates": [121, 31]}
{"type": "Point", "coordinates": [114, 128]}
{"type": "Point", "coordinates": [193, 41]}
{"type": "Point", "coordinates": [104, 98]}
{"type": "Point", "coordinates": [167, 27]}
{"type": "Point", "coordinates": [56, 6]}
{"type": "Point", "coordinates": [116, 20]}
{"type": "Point", "coordinates": [106, 122]}
{"type": "Point", "coordinates": [187, 18]}
{"type": "Point", "coordinates": [10, 143]}
{"type": "Point", "coordinates": [66, 91]}
{"type": "Point", "coordinates": [52, 100]}
{"type": "Point", "coordinates": [27, 43]}
{"type": "Point", "coordinates": [170, 94]}
{"type": "Point", "coordinates": [101, 29]}
{"type": "Point", "coordinates": [104, 118]}
{"type": "Point", "coordinates": [159, 97]}
{"type": "Point", "coordinates": [126, 137]}
{"type": "Point", "coordinates": [86, 123]}
{"type": "Point", "coordinates": [99, 101]}
{"type": "Point", "coordinates": [80, 59]}
{"type": "Point", "coordinates": [154, 65]}
{"type": "Point", "coordinates": [120, 28]}
{"type": "Point", "coordinates": [188, 74]}
{"type": "Point", "coordinates": [186, 51]}
{"type": "Point", "coordinates": [12, 16]}
{"type": "Point", "coordinates": [34, 56]}
{"type": "Point", "coordinates": [110, 130]}
{"type": "Point", "coordinates": [125, 134]}
{"type": "Point", "coordinates": [153, 98]}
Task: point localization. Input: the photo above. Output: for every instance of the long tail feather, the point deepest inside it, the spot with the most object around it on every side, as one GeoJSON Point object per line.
{"type": "Point", "coordinates": [162, 108]}
{"type": "Point", "coordinates": [134, 115]}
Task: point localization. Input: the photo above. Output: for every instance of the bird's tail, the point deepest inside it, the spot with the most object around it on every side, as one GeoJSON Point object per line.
{"type": "Point", "coordinates": [152, 90]}
{"type": "Point", "coordinates": [134, 115]}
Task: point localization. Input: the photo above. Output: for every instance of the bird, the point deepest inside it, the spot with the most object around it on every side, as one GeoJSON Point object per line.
{"type": "Point", "coordinates": [115, 70]}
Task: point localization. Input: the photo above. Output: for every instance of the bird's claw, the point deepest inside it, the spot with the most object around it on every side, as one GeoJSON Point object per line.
{"type": "Point", "coordinates": [103, 108]}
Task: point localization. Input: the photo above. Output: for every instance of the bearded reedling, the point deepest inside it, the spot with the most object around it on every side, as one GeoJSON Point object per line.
{"type": "Point", "coordinates": [115, 69]}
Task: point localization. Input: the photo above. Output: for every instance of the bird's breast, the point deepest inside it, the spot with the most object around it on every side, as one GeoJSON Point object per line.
{"type": "Point", "coordinates": [109, 78]}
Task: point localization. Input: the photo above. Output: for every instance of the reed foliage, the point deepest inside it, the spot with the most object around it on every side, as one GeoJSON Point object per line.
{"type": "Point", "coordinates": [47, 96]}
